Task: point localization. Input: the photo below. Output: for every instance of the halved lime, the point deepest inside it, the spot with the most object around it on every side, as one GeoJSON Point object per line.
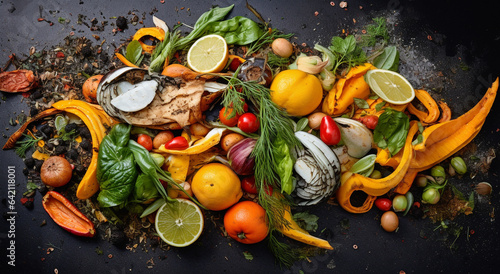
{"type": "Point", "coordinates": [365, 165]}
{"type": "Point", "coordinates": [179, 223]}
{"type": "Point", "coordinates": [390, 86]}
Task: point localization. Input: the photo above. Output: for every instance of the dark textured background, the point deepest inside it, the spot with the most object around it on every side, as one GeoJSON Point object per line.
{"type": "Point", "coordinates": [463, 31]}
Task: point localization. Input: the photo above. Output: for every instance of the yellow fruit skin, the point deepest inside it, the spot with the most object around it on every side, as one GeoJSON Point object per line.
{"type": "Point", "coordinates": [216, 186]}
{"type": "Point", "coordinates": [298, 92]}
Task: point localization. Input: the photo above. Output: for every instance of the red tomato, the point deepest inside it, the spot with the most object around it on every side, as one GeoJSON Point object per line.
{"type": "Point", "coordinates": [248, 122]}
{"type": "Point", "coordinates": [228, 118]}
{"type": "Point", "coordinates": [329, 132]}
{"type": "Point", "coordinates": [248, 185]}
{"type": "Point", "coordinates": [178, 143]}
{"type": "Point", "coordinates": [383, 204]}
{"type": "Point", "coordinates": [145, 141]}
{"type": "Point", "coordinates": [370, 121]}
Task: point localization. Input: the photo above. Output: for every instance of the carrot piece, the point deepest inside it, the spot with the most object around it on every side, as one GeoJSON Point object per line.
{"type": "Point", "coordinates": [125, 61]}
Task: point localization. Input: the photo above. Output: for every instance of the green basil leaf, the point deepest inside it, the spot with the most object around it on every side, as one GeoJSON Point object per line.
{"type": "Point", "coordinates": [301, 124]}
{"type": "Point", "coordinates": [391, 130]}
{"type": "Point", "coordinates": [379, 106]}
{"type": "Point", "coordinates": [337, 45]}
{"type": "Point", "coordinates": [373, 97]}
{"type": "Point", "coordinates": [116, 171]}
{"type": "Point", "coordinates": [389, 59]}
{"type": "Point", "coordinates": [134, 51]}
{"type": "Point", "coordinates": [361, 103]}
{"type": "Point", "coordinates": [350, 44]}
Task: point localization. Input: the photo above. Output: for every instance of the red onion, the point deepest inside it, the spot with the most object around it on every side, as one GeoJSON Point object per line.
{"type": "Point", "coordinates": [239, 156]}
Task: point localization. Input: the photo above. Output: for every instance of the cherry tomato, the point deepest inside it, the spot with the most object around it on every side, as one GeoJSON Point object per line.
{"type": "Point", "coordinates": [383, 204]}
{"type": "Point", "coordinates": [329, 132]}
{"type": "Point", "coordinates": [145, 141]}
{"type": "Point", "coordinates": [248, 185]}
{"type": "Point", "coordinates": [370, 121]}
{"type": "Point", "coordinates": [178, 143]}
{"type": "Point", "coordinates": [248, 122]}
{"type": "Point", "coordinates": [228, 118]}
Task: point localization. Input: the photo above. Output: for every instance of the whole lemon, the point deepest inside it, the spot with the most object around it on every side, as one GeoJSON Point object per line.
{"type": "Point", "coordinates": [298, 92]}
{"type": "Point", "coordinates": [216, 186]}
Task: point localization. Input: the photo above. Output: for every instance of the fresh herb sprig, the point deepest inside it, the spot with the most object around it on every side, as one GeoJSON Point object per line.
{"type": "Point", "coordinates": [375, 33]}
{"type": "Point", "coordinates": [25, 145]}
{"type": "Point", "coordinates": [347, 54]}
{"type": "Point", "coordinates": [267, 38]}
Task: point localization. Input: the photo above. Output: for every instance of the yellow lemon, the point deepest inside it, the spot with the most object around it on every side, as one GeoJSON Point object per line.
{"type": "Point", "coordinates": [298, 92]}
{"type": "Point", "coordinates": [208, 54]}
{"type": "Point", "coordinates": [216, 186]}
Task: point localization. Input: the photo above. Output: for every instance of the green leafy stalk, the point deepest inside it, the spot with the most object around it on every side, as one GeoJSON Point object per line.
{"type": "Point", "coordinates": [24, 145]}
{"type": "Point", "coordinates": [347, 53]}
{"type": "Point", "coordinates": [375, 32]}
{"type": "Point", "coordinates": [285, 255]}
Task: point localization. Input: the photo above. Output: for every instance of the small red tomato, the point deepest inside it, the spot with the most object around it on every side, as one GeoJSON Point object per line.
{"type": "Point", "coordinates": [145, 141]}
{"type": "Point", "coordinates": [178, 143]}
{"type": "Point", "coordinates": [248, 122]}
{"type": "Point", "coordinates": [383, 204]}
{"type": "Point", "coordinates": [329, 132]}
{"type": "Point", "coordinates": [248, 185]}
{"type": "Point", "coordinates": [370, 121]}
{"type": "Point", "coordinates": [228, 118]}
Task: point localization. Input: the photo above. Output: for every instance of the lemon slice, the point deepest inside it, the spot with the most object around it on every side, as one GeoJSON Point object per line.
{"type": "Point", "coordinates": [390, 86]}
{"type": "Point", "coordinates": [179, 224]}
{"type": "Point", "coordinates": [208, 54]}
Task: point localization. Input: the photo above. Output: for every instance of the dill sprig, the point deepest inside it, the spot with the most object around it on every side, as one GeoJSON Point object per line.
{"type": "Point", "coordinates": [265, 39]}
{"type": "Point", "coordinates": [375, 32]}
{"type": "Point", "coordinates": [274, 123]}
{"type": "Point", "coordinates": [275, 61]}
{"type": "Point", "coordinates": [24, 145]}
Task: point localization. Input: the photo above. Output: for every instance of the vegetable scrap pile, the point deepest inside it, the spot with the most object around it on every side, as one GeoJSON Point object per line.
{"type": "Point", "coordinates": [235, 110]}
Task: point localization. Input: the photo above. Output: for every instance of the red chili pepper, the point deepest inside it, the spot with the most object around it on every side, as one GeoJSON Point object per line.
{"type": "Point", "coordinates": [66, 215]}
{"type": "Point", "coordinates": [329, 132]}
{"type": "Point", "coordinates": [178, 143]}
{"type": "Point", "coordinates": [235, 63]}
{"type": "Point", "coordinates": [60, 54]}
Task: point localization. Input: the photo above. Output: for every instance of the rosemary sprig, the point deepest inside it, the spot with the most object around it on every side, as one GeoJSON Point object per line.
{"type": "Point", "coordinates": [24, 145]}
{"type": "Point", "coordinates": [267, 38]}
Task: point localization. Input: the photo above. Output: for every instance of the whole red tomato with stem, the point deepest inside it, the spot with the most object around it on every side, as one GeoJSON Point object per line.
{"type": "Point", "coordinates": [248, 122]}
{"type": "Point", "coordinates": [145, 141]}
{"type": "Point", "coordinates": [178, 143]}
{"type": "Point", "coordinates": [246, 222]}
{"type": "Point", "coordinates": [383, 204]}
{"type": "Point", "coordinates": [228, 117]}
{"type": "Point", "coordinates": [329, 132]}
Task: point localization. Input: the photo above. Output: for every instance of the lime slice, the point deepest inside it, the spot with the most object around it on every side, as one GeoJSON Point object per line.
{"type": "Point", "coordinates": [180, 223]}
{"type": "Point", "coordinates": [60, 123]}
{"type": "Point", "coordinates": [365, 165]}
{"type": "Point", "coordinates": [208, 54]}
{"type": "Point", "coordinates": [390, 86]}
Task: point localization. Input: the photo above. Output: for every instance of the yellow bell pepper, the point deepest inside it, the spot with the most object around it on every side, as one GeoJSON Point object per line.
{"type": "Point", "coordinates": [346, 89]}
{"type": "Point", "coordinates": [376, 187]}
{"type": "Point", "coordinates": [202, 145]}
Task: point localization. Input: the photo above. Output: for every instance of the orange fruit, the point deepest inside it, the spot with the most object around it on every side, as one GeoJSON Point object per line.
{"type": "Point", "coordinates": [216, 186]}
{"type": "Point", "coordinates": [89, 88]}
{"type": "Point", "coordinates": [246, 222]}
{"type": "Point", "coordinates": [298, 92]}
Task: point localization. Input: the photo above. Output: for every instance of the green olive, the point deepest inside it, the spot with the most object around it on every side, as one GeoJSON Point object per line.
{"type": "Point", "coordinates": [431, 196]}
{"type": "Point", "coordinates": [459, 165]}
{"type": "Point", "coordinates": [376, 174]}
{"type": "Point", "coordinates": [399, 203]}
{"type": "Point", "coordinates": [438, 171]}
{"type": "Point", "coordinates": [421, 181]}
